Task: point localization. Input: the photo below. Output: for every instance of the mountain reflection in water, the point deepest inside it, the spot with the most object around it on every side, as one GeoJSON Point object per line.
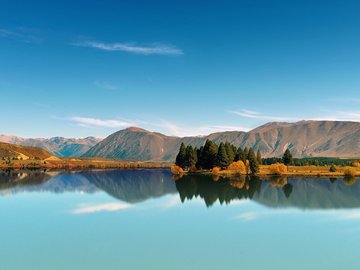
{"type": "Point", "coordinates": [135, 186]}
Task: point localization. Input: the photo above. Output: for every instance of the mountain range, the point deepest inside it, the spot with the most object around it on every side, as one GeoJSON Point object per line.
{"type": "Point", "coordinates": [304, 139]}
{"type": "Point", "coordinates": [59, 146]}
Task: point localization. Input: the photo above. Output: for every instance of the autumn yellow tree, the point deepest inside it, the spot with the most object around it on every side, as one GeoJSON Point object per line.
{"type": "Point", "coordinates": [278, 169]}
{"type": "Point", "coordinates": [237, 166]}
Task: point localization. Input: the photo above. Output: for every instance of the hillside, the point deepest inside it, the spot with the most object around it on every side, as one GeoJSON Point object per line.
{"type": "Point", "coordinates": [304, 138]}
{"type": "Point", "coordinates": [59, 146]}
{"type": "Point", "coordinates": [22, 152]}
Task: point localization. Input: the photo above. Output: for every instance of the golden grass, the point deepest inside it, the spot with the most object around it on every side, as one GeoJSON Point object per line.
{"type": "Point", "coordinates": [311, 170]}
{"type": "Point", "coordinates": [351, 172]}
{"type": "Point", "coordinates": [280, 169]}
{"type": "Point", "coordinates": [78, 163]}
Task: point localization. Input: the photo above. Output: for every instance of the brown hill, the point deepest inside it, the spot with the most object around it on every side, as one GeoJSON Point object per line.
{"type": "Point", "coordinates": [304, 138]}
{"type": "Point", "coordinates": [8, 150]}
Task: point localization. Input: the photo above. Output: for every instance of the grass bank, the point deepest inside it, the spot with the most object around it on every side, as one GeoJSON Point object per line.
{"type": "Point", "coordinates": [78, 163]}
{"type": "Point", "coordinates": [267, 170]}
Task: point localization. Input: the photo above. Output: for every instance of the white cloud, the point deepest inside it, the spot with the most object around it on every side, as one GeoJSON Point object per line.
{"type": "Point", "coordinates": [341, 116]}
{"type": "Point", "coordinates": [182, 131]}
{"type": "Point", "coordinates": [256, 115]}
{"type": "Point", "coordinates": [344, 100]}
{"type": "Point", "coordinates": [21, 34]}
{"type": "Point", "coordinates": [106, 207]}
{"type": "Point", "coordinates": [160, 49]}
{"type": "Point", "coordinates": [96, 122]}
{"type": "Point", "coordinates": [328, 116]}
{"type": "Point", "coordinates": [105, 85]}
{"type": "Point", "coordinates": [163, 126]}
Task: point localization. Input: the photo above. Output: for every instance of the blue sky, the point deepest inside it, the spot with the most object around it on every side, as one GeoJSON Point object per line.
{"type": "Point", "coordinates": [181, 68]}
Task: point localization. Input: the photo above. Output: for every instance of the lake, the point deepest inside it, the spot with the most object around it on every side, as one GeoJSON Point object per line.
{"type": "Point", "coordinates": [144, 219]}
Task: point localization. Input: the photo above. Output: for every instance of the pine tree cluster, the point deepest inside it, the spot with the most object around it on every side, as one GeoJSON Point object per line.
{"type": "Point", "coordinates": [212, 155]}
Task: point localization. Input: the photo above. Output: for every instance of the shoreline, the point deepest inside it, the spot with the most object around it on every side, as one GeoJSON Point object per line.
{"type": "Point", "coordinates": [110, 164]}
{"type": "Point", "coordinates": [297, 171]}
{"type": "Point", "coordinates": [80, 163]}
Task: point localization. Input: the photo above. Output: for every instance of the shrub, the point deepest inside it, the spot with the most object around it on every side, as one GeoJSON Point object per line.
{"type": "Point", "coordinates": [215, 170]}
{"type": "Point", "coordinates": [349, 172]}
{"type": "Point", "coordinates": [278, 169]}
{"type": "Point", "coordinates": [355, 164]}
{"type": "Point", "coordinates": [176, 169]}
{"type": "Point", "coordinates": [332, 168]}
{"type": "Point", "coordinates": [238, 166]}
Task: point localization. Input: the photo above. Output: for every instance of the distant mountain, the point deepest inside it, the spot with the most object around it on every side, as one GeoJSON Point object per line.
{"type": "Point", "coordinates": [8, 150]}
{"type": "Point", "coordinates": [59, 146]}
{"type": "Point", "coordinates": [304, 138]}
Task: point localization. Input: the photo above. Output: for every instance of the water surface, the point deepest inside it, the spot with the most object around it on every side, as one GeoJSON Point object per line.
{"type": "Point", "coordinates": [144, 219]}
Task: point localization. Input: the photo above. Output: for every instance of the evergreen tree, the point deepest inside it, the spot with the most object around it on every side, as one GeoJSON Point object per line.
{"type": "Point", "coordinates": [234, 149]}
{"type": "Point", "coordinates": [253, 163]}
{"type": "Point", "coordinates": [208, 156]}
{"type": "Point", "coordinates": [190, 157]}
{"type": "Point", "coordinates": [240, 155]}
{"type": "Point", "coordinates": [199, 153]}
{"type": "Point", "coordinates": [229, 152]}
{"type": "Point", "coordinates": [246, 153]}
{"type": "Point", "coordinates": [180, 158]}
{"type": "Point", "coordinates": [258, 157]}
{"type": "Point", "coordinates": [222, 159]}
{"type": "Point", "coordinates": [287, 157]}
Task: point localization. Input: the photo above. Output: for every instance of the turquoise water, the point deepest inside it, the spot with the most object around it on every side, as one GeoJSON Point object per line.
{"type": "Point", "coordinates": [145, 220]}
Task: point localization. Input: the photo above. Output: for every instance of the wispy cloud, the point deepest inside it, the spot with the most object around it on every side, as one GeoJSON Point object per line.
{"type": "Point", "coordinates": [180, 130]}
{"type": "Point", "coordinates": [160, 49]}
{"type": "Point", "coordinates": [340, 116]}
{"type": "Point", "coordinates": [96, 122]}
{"type": "Point", "coordinates": [324, 115]}
{"type": "Point", "coordinates": [21, 34]}
{"type": "Point", "coordinates": [344, 99]}
{"type": "Point", "coordinates": [95, 208]}
{"type": "Point", "coordinates": [105, 85]}
{"type": "Point", "coordinates": [164, 126]}
{"type": "Point", "coordinates": [257, 115]}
